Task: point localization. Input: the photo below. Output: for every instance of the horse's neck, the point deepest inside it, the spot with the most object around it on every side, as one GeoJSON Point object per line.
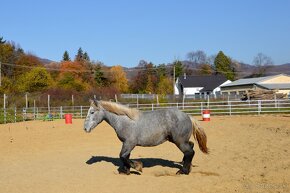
{"type": "Point", "coordinates": [113, 120]}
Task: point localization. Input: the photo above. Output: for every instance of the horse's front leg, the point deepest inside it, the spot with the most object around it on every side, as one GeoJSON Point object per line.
{"type": "Point", "coordinates": [124, 156]}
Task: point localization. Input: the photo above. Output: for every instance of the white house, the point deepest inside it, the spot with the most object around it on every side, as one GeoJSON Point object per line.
{"type": "Point", "coordinates": [200, 85]}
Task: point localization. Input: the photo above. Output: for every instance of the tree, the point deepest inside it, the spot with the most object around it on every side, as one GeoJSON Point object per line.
{"type": "Point", "coordinates": [99, 76]}
{"type": "Point", "coordinates": [77, 69]}
{"type": "Point", "coordinates": [86, 57]}
{"type": "Point", "coordinates": [164, 86]}
{"type": "Point", "coordinates": [38, 79]}
{"type": "Point", "coordinates": [118, 78]}
{"type": "Point", "coordinates": [198, 57]}
{"type": "Point", "coordinates": [65, 56]}
{"type": "Point", "coordinates": [161, 71]}
{"type": "Point", "coordinates": [25, 63]}
{"type": "Point", "coordinates": [149, 86]}
{"type": "Point", "coordinates": [7, 86]}
{"type": "Point", "coordinates": [223, 66]}
{"type": "Point", "coordinates": [2, 41]}
{"type": "Point", "coordinates": [80, 55]}
{"type": "Point", "coordinates": [178, 69]}
{"type": "Point", "coordinates": [262, 63]}
{"type": "Point", "coordinates": [69, 82]}
{"type": "Point", "coordinates": [205, 69]}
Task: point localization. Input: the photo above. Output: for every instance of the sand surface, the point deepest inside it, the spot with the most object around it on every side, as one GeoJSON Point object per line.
{"type": "Point", "coordinates": [248, 154]}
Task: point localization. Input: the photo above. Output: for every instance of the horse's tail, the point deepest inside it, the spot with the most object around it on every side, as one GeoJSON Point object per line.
{"type": "Point", "coordinates": [199, 135]}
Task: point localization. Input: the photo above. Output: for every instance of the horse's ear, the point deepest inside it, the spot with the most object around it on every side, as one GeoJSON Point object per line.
{"type": "Point", "coordinates": [94, 103]}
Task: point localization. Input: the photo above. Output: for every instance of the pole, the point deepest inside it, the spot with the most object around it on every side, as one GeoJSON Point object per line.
{"type": "Point", "coordinates": [48, 103]}
{"type": "Point", "coordinates": [4, 102]}
{"type": "Point", "coordinates": [0, 73]}
{"type": "Point", "coordinates": [4, 107]}
{"type": "Point", "coordinates": [34, 110]}
{"type": "Point", "coordinates": [173, 80]}
{"type": "Point", "coordinates": [26, 101]}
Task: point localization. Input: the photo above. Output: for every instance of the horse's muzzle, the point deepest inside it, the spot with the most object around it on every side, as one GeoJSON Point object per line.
{"type": "Point", "coordinates": [88, 130]}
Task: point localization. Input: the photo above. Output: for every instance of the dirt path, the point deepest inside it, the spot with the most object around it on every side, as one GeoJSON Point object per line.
{"type": "Point", "coordinates": [248, 154]}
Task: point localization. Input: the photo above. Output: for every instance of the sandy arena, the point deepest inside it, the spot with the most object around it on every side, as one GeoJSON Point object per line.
{"type": "Point", "coordinates": [247, 154]}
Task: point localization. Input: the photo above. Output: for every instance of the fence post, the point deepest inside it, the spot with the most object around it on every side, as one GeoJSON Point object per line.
{"type": "Point", "coordinates": [152, 107]}
{"type": "Point", "coordinates": [4, 108]}
{"type": "Point", "coordinates": [259, 107]}
{"type": "Point", "coordinates": [81, 112]}
{"type": "Point", "coordinates": [201, 108]}
{"type": "Point", "coordinates": [34, 113]}
{"type": "Point", "coordinates": [230, 107]}
{"type": "Point", "coordinates": [207, 101]}
{"type": "Point", "coordinates": [183, 99]}
{"type": "Point", "coordinates": [61, 112]}
{"type": "Point", "coordinates": [15, 114]}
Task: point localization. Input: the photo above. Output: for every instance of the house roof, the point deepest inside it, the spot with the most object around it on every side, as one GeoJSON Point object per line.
{"type": "Point", "coordinates": [209, 83]}
{"type": "Point", "coordinates": [249, 81]}
{"type": "Point", "coordinates": [276, 86]}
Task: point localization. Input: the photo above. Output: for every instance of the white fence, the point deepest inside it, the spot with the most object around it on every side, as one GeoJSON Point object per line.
{"type": "Point", "coordinates": [194, 108]}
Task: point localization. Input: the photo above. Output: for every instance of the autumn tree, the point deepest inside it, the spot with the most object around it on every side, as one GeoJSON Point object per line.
{"type": "Point", "coordinates": [164, 86]}
{"type": "Point", "coordinates": [149, 86]}
{"type": "Point", "coordinates": [205, 69]}
{"type": "Point", "coordinates": [118, 78]}
{"type": "Point", "coordinates": [146, 79]}
{"type": "Point", "coordinates": [69, 82]}
{"type": "Point", "coordinates": [7, 86]}
{"type": "Point", "coordinates": [38, 79]}
{"type": "Point", "coordinates": [25, 63]}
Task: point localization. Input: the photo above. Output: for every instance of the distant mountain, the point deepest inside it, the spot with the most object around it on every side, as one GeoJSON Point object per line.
{"type": "Point", "coordinates": [243, 70]}
{"type": "Point", "coordinates": [280, 69]}
{"type": "Point", "coordinates": [45, 61]}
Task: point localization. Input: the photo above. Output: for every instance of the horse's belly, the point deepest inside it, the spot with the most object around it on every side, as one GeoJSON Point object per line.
{"type": "Point", "coordinates": [152, 139]}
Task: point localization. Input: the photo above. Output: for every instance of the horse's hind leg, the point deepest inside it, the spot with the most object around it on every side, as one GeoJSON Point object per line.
{"type": "Point", "coordinates": [187, 149]}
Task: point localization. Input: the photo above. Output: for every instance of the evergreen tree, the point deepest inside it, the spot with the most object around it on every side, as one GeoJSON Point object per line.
{"type": "Point", "coordinates": [65, 56]}
{"type": "Point", "coordinates": [223, 66]}
{"type": "Point", "coordinates": [178, 68]}
{"type": "Point", "coordinates": [2, 41]}
{"type": "Point", "coordinates": [86, 57]}
{"type": "Point", "coordinates": [80, 55]}
{"type": "Point", "coordinates": [99, 78]}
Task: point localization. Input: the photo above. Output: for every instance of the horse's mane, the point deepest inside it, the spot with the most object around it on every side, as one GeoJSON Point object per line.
{"type": "Point", "coordinates": [120, 109]}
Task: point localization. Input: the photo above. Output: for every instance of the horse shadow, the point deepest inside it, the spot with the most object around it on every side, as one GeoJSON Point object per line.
{"type": "Point", "coordinates": [147, 162]}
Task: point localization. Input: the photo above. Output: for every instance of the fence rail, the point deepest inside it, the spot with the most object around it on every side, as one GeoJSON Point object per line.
{"type": "Point", "coordinates": [193, 108]}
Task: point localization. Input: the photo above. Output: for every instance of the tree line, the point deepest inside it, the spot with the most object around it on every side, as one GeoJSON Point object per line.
{"type": "Point", "coordinates": [25, 73]}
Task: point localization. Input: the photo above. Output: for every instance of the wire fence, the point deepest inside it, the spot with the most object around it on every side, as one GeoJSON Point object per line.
{"type": "Point", "coordinates": [257, 107]}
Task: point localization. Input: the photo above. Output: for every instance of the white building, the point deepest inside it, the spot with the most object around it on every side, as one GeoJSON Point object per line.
{"type": "Point", "coordinates": [200, 85]}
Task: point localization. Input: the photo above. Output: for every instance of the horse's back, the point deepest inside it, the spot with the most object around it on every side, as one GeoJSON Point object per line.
{"type": "Point", "coordinates": [158, 126]}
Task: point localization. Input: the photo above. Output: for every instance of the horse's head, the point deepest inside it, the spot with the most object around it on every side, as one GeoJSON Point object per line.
{"type": "Point", "coordinates": [94, 117]}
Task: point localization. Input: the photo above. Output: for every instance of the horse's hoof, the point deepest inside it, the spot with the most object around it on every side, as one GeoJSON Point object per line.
{"type": "Point", "coordinates": [182, 172]}
{"type": "Point", "coordinates": [138, 166]}
{"type": "Point", "coordinates": [123, 171]}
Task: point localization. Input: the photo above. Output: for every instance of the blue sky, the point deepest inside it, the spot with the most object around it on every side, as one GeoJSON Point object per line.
{"type": "Point", "coordinates": [126, 31]}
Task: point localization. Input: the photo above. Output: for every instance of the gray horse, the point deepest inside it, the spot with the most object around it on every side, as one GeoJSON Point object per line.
{"type": "Point", "coordinates": [135, 128]}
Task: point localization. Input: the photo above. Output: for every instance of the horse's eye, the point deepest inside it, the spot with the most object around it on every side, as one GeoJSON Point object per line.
{"type": "Point", "coordinates": [92, 112]}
